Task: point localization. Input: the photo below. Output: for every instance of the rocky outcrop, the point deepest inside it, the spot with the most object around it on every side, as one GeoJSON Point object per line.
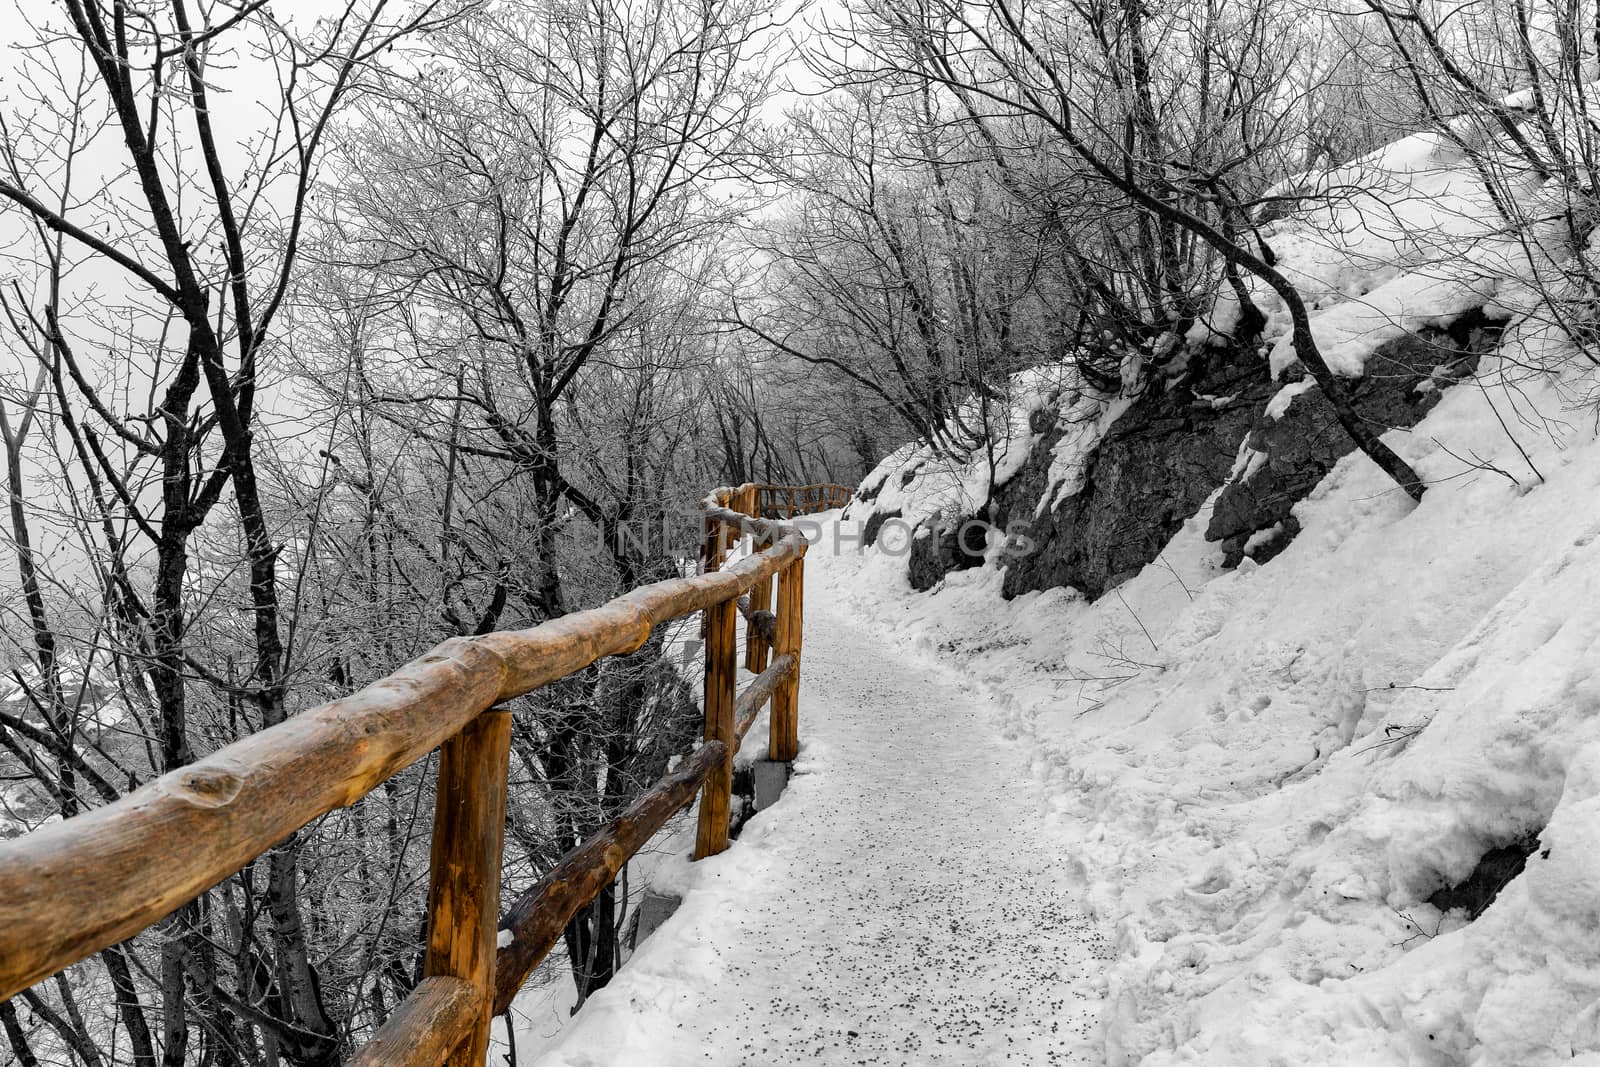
{"type": "Point", "coordinates": [1176, 446]}
{"type": "Point", "coordinates": [937, 550]}
{"type": "Point", "coordinates": [1149, 473]}
{"type": "Point", "coordinates": [1295, 450]}
{"type": "Point", "coordinates": [874, 525]}
{"type": "Point", "coordinates": [1494, 871]}
{"type": "Point", "coordinates": [1199, 427]}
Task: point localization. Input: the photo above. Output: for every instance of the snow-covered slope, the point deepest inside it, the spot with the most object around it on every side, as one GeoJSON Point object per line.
{"type": "Point", "coordinates": [1266, 773]}
{"type": "Point", "coordinates": [1269, 771]}
{"type": "Point", "coordinates": [1405, 237]}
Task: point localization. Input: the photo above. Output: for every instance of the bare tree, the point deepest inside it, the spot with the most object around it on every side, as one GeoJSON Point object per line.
{"type": "Point", "coordinates": [891, 265]}
{"type": "Point", "coordinates": [1510, 87]}
{"type": "Point", "coordinates": [1176, 112]}
{"type": "Point", "coordinates": [159, 238]}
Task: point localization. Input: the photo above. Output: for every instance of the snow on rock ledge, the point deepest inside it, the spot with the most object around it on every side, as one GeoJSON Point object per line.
{"type": "Point", "coordinates": [1298, 439]}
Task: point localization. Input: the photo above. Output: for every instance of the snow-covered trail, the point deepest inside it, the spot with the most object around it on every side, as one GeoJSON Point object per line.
{"type": "Point", "coordinates": [900, 905]}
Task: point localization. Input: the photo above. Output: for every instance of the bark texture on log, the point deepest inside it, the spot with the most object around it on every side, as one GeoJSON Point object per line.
{"type": "Point", "coordinates": [437, 1016]}
{"type": "Point", "coordinates": [757, 693]}
{"type": "Point", "coordinates": [784, 744]}
{"type": "Point", "coordinates": [464, 890]}
{"type": "Point", "coordinates": [721, 691]}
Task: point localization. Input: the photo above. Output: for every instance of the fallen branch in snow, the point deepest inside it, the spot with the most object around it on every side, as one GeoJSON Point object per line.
{"type": "Point", "coordinates": [1162, 558]}
{"type": "Point", "coordinates": [1420, 932]}
{"type": "Point", "coordinates": [1395, 734]}
{"type": "Point", "coordinates": [1477, 462]}
{"type": "Point", "coordinates": [1523, 452]}
{"type": "Point", "coordinates": [1423, 688]}
{"type": "Point", "coordinates": [1136, 619]}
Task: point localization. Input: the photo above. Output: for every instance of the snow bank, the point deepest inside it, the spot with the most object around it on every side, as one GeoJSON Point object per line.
{"type": "Point", "coordinates": [541, 1016]}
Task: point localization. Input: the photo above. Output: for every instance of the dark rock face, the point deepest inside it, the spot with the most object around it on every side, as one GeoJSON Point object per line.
{"type": "Point", "coordinates": [1171, 450]}
{"type": "Point", "coordinates": [1401, 384]}
{"type": "Point", "coordinates": [866, 497]}
{"type": "Point", "coordinates": [874, 525]}
{"type": "Point", "coordinates": [863, 499]}
{"type": "Point", "coordinates": [1494, 872]}
{"type": "Point", "coordinates": [938, 550]}
{"type": "Point", "coordinates": [1152, 470]}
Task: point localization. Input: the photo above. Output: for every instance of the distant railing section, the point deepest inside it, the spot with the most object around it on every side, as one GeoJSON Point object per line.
{"type": "Point", "coordinates": [72, 888]}
{"type": "Point", "coordinates": [787, 501]}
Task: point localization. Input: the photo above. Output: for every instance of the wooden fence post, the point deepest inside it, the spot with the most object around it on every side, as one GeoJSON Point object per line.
{"type": "Point", "coordinates": [756, 647]}
{"type": "Point", "coordinates": [722, 679]}
{"type": "Point", "coordinates": [464, 888]}
{"type": "Point", "coordinates": [711, 547]}
{"type": "Point", "coordinates": [784, 743]}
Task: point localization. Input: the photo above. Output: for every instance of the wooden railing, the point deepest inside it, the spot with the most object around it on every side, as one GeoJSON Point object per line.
{"type": "Point", "coordinates": [72, 888]}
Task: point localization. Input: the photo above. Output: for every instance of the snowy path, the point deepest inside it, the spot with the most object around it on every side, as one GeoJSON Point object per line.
{"type": "Point", "coordinates": [898, 906]}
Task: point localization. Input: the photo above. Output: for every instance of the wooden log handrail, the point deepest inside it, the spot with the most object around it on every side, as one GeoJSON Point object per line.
{"type": "Point", "coordinates": [755, 695]}
{"type": "Point", "coordinates": [72, 888]}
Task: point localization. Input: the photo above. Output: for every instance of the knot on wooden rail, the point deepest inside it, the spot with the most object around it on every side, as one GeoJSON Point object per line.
{"type": "Point", "coordinates": [765, 625]}
{"type": "Point", "coordinates": [762, 623]}
{"type": "Point", "coordinates": [204, 787]}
